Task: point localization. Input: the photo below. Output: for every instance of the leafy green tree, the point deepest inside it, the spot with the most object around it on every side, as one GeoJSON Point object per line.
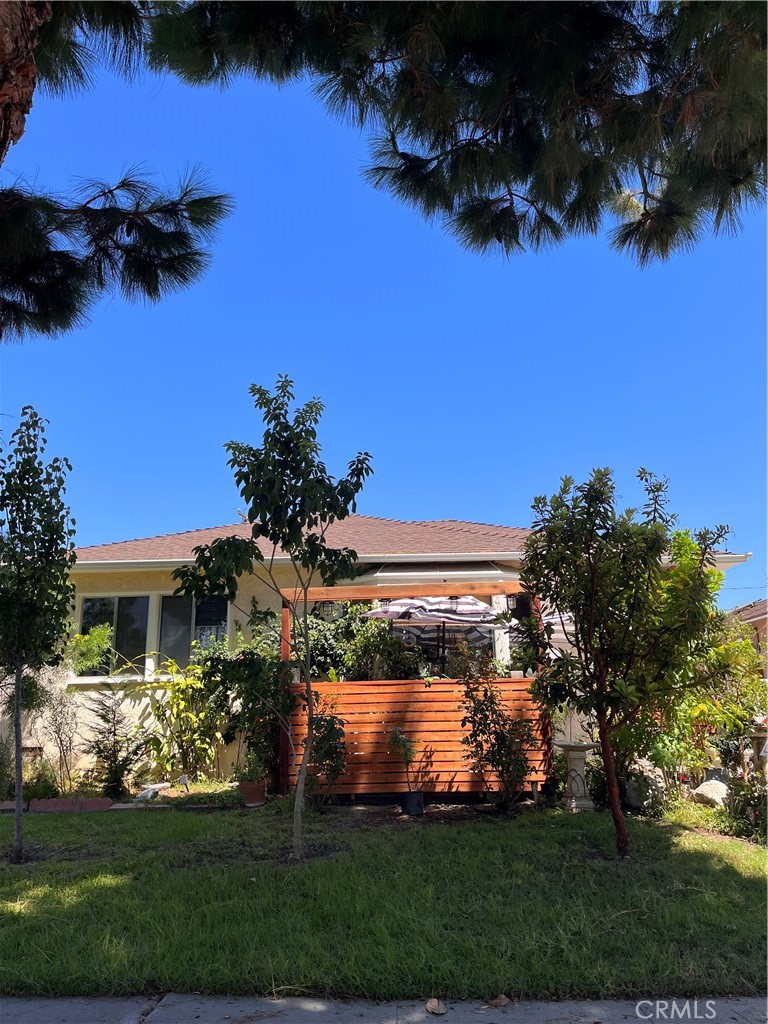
{"type": "Point", "coordinates": [634, 599]}
{"type": "Point", "coordinates": [291, 501]}
{"type": "Point", "coordinates": [518, 124]}
{"type": "Point", "coordinates": [60, 253]}
{"type": "Point", "coordinates": [730, 691]}
{"type": "Point", "coordinates": [36, 555]}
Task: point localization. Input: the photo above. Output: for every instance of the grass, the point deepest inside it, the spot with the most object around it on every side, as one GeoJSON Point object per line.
{"type": "Point", "coordinates": [466, 905]}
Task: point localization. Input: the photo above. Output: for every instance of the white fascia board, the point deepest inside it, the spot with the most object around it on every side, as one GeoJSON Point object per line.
{"type": "Point", "coordinates": [723, 560]}
{"type": "Point", "coordinates": [726, 559]}
{"type": "Point", "coordinates": [119, 565]}
{"type": "Point", "coordinates": [451, 556]}
{"type": "Point", "coordinates": [127, 565]}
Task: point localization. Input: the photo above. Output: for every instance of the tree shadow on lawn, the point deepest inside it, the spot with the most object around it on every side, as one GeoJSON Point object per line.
{"type": "Point", "coordinates": [534, 907]}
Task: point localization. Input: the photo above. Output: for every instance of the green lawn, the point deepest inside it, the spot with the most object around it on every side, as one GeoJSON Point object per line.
{"type": "Point", "coordinates": [536, 906]}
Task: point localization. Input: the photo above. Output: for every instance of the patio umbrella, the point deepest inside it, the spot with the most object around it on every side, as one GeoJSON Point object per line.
{"type": "Point", "coordinates": [473, 618]}
{"type": "Point", "coordinates": [463, 611]}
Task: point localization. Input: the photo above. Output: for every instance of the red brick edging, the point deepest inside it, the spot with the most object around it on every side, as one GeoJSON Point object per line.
{"type": "Point", "coordinates": [60, 804]}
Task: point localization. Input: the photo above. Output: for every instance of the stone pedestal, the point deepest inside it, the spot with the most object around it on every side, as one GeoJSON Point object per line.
{"type": "Point", "coordinates": [577, 796]}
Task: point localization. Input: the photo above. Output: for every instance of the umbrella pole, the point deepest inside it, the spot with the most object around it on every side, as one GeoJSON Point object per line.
{"type": "Point", "coordinates": [443, 656]}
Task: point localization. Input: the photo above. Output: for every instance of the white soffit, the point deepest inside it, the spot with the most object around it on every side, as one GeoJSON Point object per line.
{"type": "Point", "coordinates": [436, 573]}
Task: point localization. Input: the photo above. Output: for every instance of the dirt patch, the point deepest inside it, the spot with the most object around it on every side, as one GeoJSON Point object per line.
{"type": "Point", "coordinates": [32, 852]}
{"type": "Point", "coordinates": [367, 815]}
{"type": "Point", "coordinates": [312, 852]}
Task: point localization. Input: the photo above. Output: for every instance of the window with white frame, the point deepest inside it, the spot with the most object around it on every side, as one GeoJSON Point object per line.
{"type": "Point", "coordinates": [183, 620]}
{"type": "Point", "coordinates": [128, 618]}
{"type": "Point", "coordinates": [180, 622]}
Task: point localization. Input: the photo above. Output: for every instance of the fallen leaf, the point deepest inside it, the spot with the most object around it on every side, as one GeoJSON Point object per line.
{"type": "Point", "coordinates": [499, 1001]}
{"type": "Point", "coordinates": [436, 1006]}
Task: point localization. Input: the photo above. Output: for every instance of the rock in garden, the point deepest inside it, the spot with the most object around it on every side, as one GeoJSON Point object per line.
{"type": "Point", "coordinates": [145, 796]}
{"type": "Point", "coordinates": [712, 793]}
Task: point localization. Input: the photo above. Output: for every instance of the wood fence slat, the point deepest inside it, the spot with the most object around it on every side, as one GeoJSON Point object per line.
{"type": "Point", "coordinates": [431, 716]}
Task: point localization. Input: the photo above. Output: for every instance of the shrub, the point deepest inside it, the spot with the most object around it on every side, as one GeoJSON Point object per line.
{"type": "Point", "coordinates": [59, 725]}
{"type": "Point", "coordinates": [594, 776]}
{"type": "Point", "coordinates": [39, 780]}
{"type": "Point", "coordinates": [252, 769]}
{"type": "Point", "coordinates": [497, 743]}
{"type": "Point", "coordinates": [250, 697]}
{"type": "Point", "coordinates": [373, 651]}
{"type": "Point", "coordinates": [329, 751]}
{"type": "Point", "coordinates": [114, 744]}
{"type": "Point", "coordinates": [558, 775]}
{"type": "Point", "coordinates": [652, 796]}
{"type": "Point", "coordinates": [746, 807]}
{"type": "Point", "coordinates": [189, 726]}
{"type": "Point", "coordinates": [405, 748]}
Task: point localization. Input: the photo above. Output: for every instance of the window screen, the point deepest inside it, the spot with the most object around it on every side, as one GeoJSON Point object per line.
{"type": "Point", "coordinates": [211, 620]}
{"type": "Point", "coordinates": [131, 632]}
{"type": "Point", "coordinates": [176, 629]}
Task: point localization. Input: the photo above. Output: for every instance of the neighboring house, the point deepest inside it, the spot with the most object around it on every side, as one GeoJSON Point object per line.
{"type": "Point", "coordinates": [129, 585]}
{"type": "Point", "coordinates": [756, 615]}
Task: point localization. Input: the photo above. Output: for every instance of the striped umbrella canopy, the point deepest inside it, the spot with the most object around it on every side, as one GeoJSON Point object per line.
{"type": "Point", "coordinates": [462, 611]}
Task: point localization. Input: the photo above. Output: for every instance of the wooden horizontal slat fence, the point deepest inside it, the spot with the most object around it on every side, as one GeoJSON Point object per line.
{"type": "Point", "coordinates": [429, 715]}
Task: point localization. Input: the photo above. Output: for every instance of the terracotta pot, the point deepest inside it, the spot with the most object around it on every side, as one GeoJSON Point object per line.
{"type": "Point", "coordinates": [254, 794]}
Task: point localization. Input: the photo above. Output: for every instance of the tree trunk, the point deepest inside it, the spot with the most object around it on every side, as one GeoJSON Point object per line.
{"type": "Point", "coordinates": [612, 783]}
{"type": "Point", "coordinates": [18, 823]}
{"type": "Point", "coordinates": [301, 779]}
{"type": "Point", "coordinates": [20, 22]}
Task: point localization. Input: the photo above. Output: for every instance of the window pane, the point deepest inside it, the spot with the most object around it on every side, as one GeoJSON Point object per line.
{"type": "Point", "coordinates": [211, 620]}
{"type": "Point", "coordinates": [175, 629]}
{"type": "Point", "coordinates": [131, 630]}
{"type": "Point", "coordinates": [98, 611]}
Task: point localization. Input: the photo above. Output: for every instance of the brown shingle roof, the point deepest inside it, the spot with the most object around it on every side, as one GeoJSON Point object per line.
{"type": "Point", "coordinates": [756, 614]}
{"type": "Point", "coordinates": [367, 535]}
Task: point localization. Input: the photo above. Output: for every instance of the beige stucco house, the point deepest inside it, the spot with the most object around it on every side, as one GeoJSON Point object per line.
{"type": "Point", "coordinates": [129, 584]}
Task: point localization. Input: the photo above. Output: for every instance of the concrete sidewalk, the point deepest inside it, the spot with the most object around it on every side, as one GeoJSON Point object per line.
{"type": "Point", "coordinates": [194, 1009]}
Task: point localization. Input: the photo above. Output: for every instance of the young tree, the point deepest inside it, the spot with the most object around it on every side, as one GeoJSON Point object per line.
{"type": "Point", "coordinates": [519, 124]}
{"type": "Point", "coordinates": [36, 555]}
{"type": "Point", "coordinates": [634, 600]}
{"type": "Point", "coordinates": [291, 501]}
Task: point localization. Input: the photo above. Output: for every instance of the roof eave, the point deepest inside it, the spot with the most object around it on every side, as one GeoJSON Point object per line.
{"type": "Point", "coordinates": [723, 560]}
{"type": "Point", "coordinates": [138, 565]}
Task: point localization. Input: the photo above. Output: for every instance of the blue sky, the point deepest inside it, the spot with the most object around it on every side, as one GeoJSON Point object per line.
{"type": "Point", "coordinates": [475, 382]}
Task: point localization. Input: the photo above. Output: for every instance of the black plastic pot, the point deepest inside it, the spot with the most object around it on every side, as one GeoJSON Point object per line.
{"type": "Point", "coordinates": [412, 803]}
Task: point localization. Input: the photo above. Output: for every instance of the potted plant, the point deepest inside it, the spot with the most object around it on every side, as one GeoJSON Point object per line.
{"type": "Point", "coordinates": [251, 777]}
{"type": "Point", "coordinates": [411, 802]}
